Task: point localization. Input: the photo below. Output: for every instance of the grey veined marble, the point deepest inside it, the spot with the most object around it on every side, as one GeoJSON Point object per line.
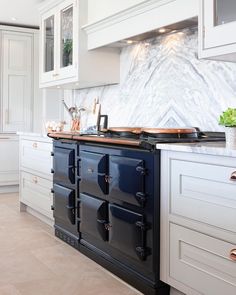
{"type": "Point", "coordinates": [163, 83]}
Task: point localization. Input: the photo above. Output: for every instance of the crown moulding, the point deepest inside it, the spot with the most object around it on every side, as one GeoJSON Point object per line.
{"type": "Point", "coordinates": [138, 19]}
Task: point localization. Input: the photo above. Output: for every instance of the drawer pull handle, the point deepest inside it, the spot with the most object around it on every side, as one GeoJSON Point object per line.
{"type": "Point", "coordinates": [233, 254]}
{"type": "Point", "coordinates": [35, 145]}
{"type": "Point", "coordinates": [233, 176]}
{"type": "Point", "coordinates": [35, 180]}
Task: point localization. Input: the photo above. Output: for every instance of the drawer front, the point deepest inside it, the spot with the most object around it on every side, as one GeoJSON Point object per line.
{"type": "Point", "coordinates": [36, 193]}
{"type": "Point", "coordinates": [201, 262]}
{"type": "Point", "coordinates": [36, 155]}
{"type": "Point", "coordinates": [203, 192]}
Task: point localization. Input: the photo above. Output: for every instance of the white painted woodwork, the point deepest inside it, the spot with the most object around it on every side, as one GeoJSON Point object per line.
{"type": "Point", "coordinates": [9, 159]}
{"type": "Point", "coordinates": [203, 192]}
{"type": "Point", "coordinates": [141, 18]}
{"type": "Point", "coordinates": [36, 155]}
{"type": "Point", "coordinates": [17, 81]}
{"type": "Point", "coordinates": [197, 223]}
{"type": "Point", "coordinates": [201, 262]}
{"type": "Point", "coordinates": [89, 69]}
{"type": "Point", "coordinates": [215, 42]}
{"type": "Point", "coordinates": [36, 193]}
{"type": "Point", "coordinates": [100, 9]}
{"type": "Point", "coordinates": [35, 176]}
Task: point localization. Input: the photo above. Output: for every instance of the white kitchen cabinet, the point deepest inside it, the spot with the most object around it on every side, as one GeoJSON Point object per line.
{"type": "Point", "coordinates": [19, 88]}
{"type": "Point", "coordinates": [217, 24]}
{"type": "Point", "coordinates": [35, 176]}
{"type": "Point", "coordinates": [64, 59]}
{"type": "Point", "coordinates": [9, 163]}
{"type": "Point", "coordinates": [16, 81]}
{"type": "Point", "coordinates": [198, 217]}
{"type": "Point", "coordinates": [133, 18]}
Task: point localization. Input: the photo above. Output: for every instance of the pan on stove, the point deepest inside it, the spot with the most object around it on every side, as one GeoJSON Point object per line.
{"type": "Point", "coordinates": [170, 132]}
{"type": "Point", "coordinates": [128, 132]}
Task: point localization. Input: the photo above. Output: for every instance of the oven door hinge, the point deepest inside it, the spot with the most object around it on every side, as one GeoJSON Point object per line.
{"type": "Point", "coordinates": [143, 252]}
{"type": "Point", "coordinates": [143, 226]}
{"type": "Point", "coordinates": [141, 198]}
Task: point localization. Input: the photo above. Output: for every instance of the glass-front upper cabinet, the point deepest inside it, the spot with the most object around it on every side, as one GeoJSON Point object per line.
{"type": "Point", "coordinates": [67, 48]}
{"type": "Point", "coordinates": [48, 39]}
{"type": "Point", "coordinates": [219, 17]}
{"type": "Point", "coordinates": [59, 42]}
{"type": "Point", "coordinates": [65, 61]}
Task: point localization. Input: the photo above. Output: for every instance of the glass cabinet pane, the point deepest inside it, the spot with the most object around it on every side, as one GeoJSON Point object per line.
{"type": "Point", "coordinates": [225, 11]}
{"type": "Point", "coordinates": [67, 37]}
{"type": "Point", "coordinates": [49, 44]}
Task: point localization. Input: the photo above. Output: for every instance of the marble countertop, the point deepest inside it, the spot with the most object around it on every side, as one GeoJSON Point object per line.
{"type": "Point", "coordinates": [209, 148]}
{"type": "Point", "coordinates": [34, 134]}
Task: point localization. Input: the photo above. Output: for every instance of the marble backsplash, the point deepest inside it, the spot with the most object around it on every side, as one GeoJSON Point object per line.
{"type": "Point", "coordinates": [164, 84]}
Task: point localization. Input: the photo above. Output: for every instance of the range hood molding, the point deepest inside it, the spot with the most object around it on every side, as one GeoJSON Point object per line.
{"type": "Point", "coordinates": [139, 19]}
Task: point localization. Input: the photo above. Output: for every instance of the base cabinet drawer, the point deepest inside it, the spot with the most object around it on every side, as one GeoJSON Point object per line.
{"type": "Point", "coordinates": [36, 193]}
{"type": "Point", "coordinates": [36, 155]}
{"type": "Point", "coordinates": [204, 192]}
{"type": "Point", "coordinates": [201, 262]}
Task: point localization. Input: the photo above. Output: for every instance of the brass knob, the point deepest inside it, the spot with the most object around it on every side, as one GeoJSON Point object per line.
{"type": "Point", "coordinates": [233, 176]}
{"type": "Point", "coordinates": [233, 254]}
{"type": "Point", "coordinates": [35, 145]}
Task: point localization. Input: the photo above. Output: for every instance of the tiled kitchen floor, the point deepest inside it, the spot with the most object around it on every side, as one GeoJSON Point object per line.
{"type": "Point", "coordinates": [34, 262]}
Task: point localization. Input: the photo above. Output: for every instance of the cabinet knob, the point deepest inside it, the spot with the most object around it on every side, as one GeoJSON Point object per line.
{"type": "Point", "coordinates": [233, 176]}
{"type": "Point", "coordinates": [55, 75]}
{"type": "Point", "coordinates": [233, 255]}
{"type": "Point", "coordinates": [35, 179]}
{"type": "Point", "coordinates": [35, 145]}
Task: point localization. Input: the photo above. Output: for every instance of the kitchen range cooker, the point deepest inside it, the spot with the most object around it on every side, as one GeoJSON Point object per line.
{"type": "Point", "coordinates": [107, 197]}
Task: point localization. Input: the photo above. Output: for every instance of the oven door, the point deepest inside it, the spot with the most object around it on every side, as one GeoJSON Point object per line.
{"type": "Point", "coordinates": [93, 218]}
{"type": "Point", "coordinates": [127, 180]}
{"type": "Point", "coordinates": [64, 166]}
{"type": "Point", "coordinates": [127, 233]}
{"type": "Point", "coordinates": [64, 207]}
{"type": "Point", "coordinates": [93, 168]}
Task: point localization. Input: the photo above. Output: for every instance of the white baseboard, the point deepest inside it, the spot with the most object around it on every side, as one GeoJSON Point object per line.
{"type": "Point", "coordinates": [9, 189]}
{"type": "Point", "coordinates": [36, 214]}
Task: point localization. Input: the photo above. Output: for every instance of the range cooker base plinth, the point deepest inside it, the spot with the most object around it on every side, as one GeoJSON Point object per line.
{"type": "Point", "coordinates": [140, 283]}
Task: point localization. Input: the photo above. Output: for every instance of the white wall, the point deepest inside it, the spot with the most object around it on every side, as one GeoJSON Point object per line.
{"type": "Point", "coordinates": [99, 9]}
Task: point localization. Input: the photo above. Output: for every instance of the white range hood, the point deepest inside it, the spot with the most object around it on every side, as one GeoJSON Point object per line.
{"type": "Point", "coordinates": [140, 19]}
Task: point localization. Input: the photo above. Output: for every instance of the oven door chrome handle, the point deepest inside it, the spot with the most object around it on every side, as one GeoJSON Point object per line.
{"type": "Point", "coordinates": [141, 170]}
{"type": "Point", "coordinates": [101, 221]}
{"type": "Point", "coordinates": [141, 197]}
{"type": "Point", "coordinates": [71, 214]}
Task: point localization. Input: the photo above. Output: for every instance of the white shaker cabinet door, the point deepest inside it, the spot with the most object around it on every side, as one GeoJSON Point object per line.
{"type": "Point", "coordinates": [16, 81]}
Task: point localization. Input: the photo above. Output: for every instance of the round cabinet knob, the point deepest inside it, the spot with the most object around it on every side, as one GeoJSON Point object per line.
{"type": "Point", "coordinates": [35, 145]}
{"type": "Point", "coordinates": [233, 176]}
{"type": "Point", "coordinates": [233, 255]}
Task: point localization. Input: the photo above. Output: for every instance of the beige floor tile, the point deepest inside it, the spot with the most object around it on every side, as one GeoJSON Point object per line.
{"type": "Point", "coordinates": [9, 290]}
{"type": "Point", "coordinates": [34, 262]}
